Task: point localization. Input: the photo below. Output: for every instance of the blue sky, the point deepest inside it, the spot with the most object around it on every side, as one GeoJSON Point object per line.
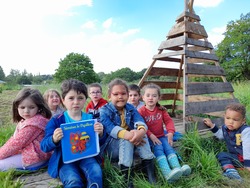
{"type": "Point", "coordinates": [36, 34]}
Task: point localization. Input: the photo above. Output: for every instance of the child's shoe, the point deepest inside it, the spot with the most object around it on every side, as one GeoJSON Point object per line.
{"type": "Point", "coordinates": [170, 175]}
{"type": "Point", "coordinates": [186, 170]}
{"type": "Point", "coordinates": [232, 173]}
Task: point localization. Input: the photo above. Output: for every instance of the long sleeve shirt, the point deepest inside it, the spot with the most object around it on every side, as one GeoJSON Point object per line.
{"type": "Point", "coordinates": [156, 120]}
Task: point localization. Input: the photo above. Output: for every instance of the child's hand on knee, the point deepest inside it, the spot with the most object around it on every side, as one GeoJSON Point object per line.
{"type": "Point", "coordinates": [154, 139]}
{"type": "Point", "coordinates": [170, 138]}
{"type": "Point", "coordinates": [138, 137]}
{"type": "Point", "coordinates": [128, 135]}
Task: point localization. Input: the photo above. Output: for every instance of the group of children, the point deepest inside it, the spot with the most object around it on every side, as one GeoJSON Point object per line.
{"type": "Point", "coordinates": [125, 126]}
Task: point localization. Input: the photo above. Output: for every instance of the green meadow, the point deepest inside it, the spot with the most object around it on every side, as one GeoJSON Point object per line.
{"type": "Point", "coordinates": [197, 151]}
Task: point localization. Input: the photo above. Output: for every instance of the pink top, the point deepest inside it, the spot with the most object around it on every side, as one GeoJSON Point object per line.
{"type": "Point", "coordinates": [155, 121]}
{"type": "Point", "coordinates": [26, 141]}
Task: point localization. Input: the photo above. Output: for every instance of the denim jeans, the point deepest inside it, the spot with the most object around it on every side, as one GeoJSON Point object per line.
{"type": "Point", "coordinates": [162, 149]}
{"type": "Point", "coordinates": [72, 174]}
{"type": "Point", "coordinates": [226, 159]}
{"type": "Point", "coordinates": [123, 150]}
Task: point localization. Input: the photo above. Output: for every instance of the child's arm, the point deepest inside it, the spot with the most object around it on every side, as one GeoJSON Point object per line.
{"type": "Point", "coordinates": [170, 138]}
{"type": "Point", "coordinates": [154, 139]}
{"type": "Point", "coordinates": [98, 127]}
{"type": "Point", "coordinates": [208, 123]}
{"type": "Point", "coordinates": [22, 139]}
{"type": "Point", "coordinates": [128, 135]}
{"type": "Point", "coordinates": [137, 138]}
{"type": "Point", "coordinates": [215, 130]}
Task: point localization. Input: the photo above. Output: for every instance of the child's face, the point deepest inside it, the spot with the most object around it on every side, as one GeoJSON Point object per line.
{"type": "Point", "coordinates": [119, 96]}
{"type": "Point", "coordinates": [134, 97]}
{"type": "Point", "coordinates": [27, 108]}
{"type": "Point", "coordinates": [233, 120]}
{"type": "Point", "coordinates": [95, 94]}
{"type": "Point", "coordinates": [74, 102]}
{"type": "Point", "coordinates": [150, 97]}
{"type": "Point", "coordinates": [53, 100]}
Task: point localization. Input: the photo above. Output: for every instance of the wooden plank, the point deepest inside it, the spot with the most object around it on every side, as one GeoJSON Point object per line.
{"type": "Point", "coordinates": [163, 55]}
{"type": "Point", "coordinates": [163, 84]}
{"type": "Point", "coordinates": [200, 60]}
{"type": "Point", "coordinates": [170, 59]}
{"type": "Point", "coordinates": [208, 88]}
{"type": "Point", "coordinates": [159, 71]}
{"type": "Point", "coordinates": [198, 123]}
{"type": "Point", "coordinates": [194, 30]}
{"type": "Point", "coordinates": [197, 98]}
{"type": "Point", "coordinates": [196, 48]}
{"type": "Point", "coordinates": [201, 55]}
{"type": "Point", "coordinates": [204, 44]}
{"type": "Point", "coordinates": [178, 41]}
{"type": "Point", "coordinates": [207, 106]}
{"type": "Point", "coordinates": [187, 14]}
{"type": "Point", "coordinates": [170, 96]}
{"type": "Point", "coordinates": [216, 114]}
{"type": "Point", "coordinates": [204, 69]}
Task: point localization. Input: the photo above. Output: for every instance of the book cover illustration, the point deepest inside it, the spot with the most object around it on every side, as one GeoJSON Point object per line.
{"type": "Point", "coordinates": [79, 140]}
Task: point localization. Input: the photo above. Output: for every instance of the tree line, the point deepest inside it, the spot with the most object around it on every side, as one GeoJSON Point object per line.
{"type": "Point", "coordinates": [233, 53]}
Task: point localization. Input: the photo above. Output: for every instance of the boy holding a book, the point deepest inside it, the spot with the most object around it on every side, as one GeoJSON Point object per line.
{"type": "Point", "coordinates": [74, 95]}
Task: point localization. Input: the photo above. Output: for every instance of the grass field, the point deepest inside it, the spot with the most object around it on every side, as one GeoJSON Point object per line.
{"type": "Point", "coordinates": [197, 151]}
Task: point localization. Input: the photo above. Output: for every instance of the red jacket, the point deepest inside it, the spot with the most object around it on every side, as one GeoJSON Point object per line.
{"type": "Point", "coordinates": [94, 109]}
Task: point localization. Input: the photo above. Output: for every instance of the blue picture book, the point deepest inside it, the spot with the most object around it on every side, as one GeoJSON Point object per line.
{"type": "Point", "coordinates": [79, 140]}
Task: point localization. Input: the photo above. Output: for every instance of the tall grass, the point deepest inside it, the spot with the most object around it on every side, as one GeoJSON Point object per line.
{"type": "Point", "coordinates": [197, 151]}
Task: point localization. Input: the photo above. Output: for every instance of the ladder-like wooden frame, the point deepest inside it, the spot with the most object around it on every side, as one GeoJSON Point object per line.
{"type": "Point", "coordinates": [200, 84]}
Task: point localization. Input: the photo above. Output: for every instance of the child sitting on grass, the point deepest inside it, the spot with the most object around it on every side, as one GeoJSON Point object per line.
{"type": "Point", "coordinates": [54, 101]}
{"type": "Point", "coordinates": [22, 150]}
{"type": "Point", "coordinates": [126, 131]}
{"type": "Point", "coordinates": [74, 95]}
{"type": "Point", "coordinates": [95, 93]}
{"type": "Point", "coordinates": [135, 96]}
{"type": "Point", "coordinates": [236, 134]}
{"type": "Point", "coordinates": [155, 117]}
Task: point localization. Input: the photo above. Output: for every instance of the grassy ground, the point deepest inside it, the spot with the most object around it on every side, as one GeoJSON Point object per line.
{"type": "Point", "coordinates": [197, 151]}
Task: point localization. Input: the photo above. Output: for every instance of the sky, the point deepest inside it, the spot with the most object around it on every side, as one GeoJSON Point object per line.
{"type": "Point", "coordinates": [36, 34]}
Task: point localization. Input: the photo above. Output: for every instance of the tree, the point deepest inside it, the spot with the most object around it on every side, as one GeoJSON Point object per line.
{"type": "Point", "coordinates": [77, 66]}
{"type": "Point", "coordinates": [2, 75]}
{"type": "Point", "coordinates": [234, 50]}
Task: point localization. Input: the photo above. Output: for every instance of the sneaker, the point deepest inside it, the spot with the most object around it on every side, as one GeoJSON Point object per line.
{"type": "Point", "coordinates": [232, 174]}
{"type": "Point", "coordinates": [174, 175]}
{"type": "Point", "coordinates": [186, 170]}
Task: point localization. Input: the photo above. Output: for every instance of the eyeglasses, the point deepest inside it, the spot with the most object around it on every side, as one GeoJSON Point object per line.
{"type": "Point", "coordinates": [95, 92]}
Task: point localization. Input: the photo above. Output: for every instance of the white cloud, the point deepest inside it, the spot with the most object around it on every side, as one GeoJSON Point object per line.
{"type": "Point", "coordinates": [110, 51]}
{"type": "Point", "coordinates": [215, 36]}
{"type": "Point", "coordinates": [89, 24]}
{"type": "Point", "coordinates": [107, 24]}
{"type": "Point", "coordinates": [207, 3]}
{"type": "Point", "coordinates": [25, 44]}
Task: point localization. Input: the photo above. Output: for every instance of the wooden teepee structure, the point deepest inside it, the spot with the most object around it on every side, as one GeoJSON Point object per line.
{"type": "Point", "coordinates": [197, 85]}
